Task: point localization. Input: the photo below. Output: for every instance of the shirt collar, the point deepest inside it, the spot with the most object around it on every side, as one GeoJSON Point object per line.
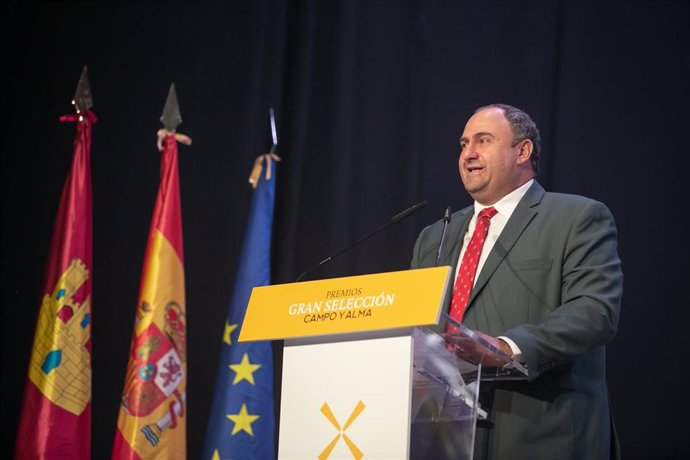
{"type": "Point", "coordinates": [506, 205]}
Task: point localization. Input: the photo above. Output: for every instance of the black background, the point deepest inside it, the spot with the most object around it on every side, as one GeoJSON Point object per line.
{"type": "Point", "coordinates": [371, 97]}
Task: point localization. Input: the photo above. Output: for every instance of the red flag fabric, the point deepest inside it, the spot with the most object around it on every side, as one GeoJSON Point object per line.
{"type": "Point", "coordinates": [55, 420]}
{"type": "Point", "coordinates": [152, 418]}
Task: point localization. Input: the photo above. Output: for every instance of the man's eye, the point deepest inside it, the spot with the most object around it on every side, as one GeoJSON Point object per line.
{"type": "Point", "coordinates": [484, 140]}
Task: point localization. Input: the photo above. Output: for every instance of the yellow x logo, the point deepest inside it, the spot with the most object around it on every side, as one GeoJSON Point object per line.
{"type": "Point", "coordinates": [356, 453]}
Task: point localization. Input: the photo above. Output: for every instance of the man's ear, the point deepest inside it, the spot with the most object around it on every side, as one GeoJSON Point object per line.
{"type": "Point", "coordinates": [525, 151]}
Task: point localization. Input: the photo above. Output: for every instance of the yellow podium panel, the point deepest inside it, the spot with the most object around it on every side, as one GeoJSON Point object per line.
{"type": "Point", "coordinates": [345, 305]}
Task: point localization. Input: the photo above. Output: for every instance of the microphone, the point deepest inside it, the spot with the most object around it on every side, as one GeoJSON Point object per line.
{"type": "Point", "coordinates": [401, 215]}
{"type": "Point", "coordinates": [446, 221]}
{"type": "Point", "coordinates": [394, 220]}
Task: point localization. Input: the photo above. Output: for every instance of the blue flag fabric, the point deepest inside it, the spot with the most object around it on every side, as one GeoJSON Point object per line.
{"type": "Point", "coordinates": [241, 425]}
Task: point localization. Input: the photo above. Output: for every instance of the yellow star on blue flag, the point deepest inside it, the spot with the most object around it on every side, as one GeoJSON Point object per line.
{"type": "Point", "coordinates": [227, 334]}
{"type": "Point", "coordinates": [244, 370]}
{"type": "Point", "coordinates": [243, 421]}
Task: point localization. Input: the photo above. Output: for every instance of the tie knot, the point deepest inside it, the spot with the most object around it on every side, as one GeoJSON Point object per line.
{"type": "Point", "coordinates": [488, 213]}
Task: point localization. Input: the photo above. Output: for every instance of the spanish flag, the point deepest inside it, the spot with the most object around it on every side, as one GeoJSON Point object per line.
{"type": "Point", "coordinates": [152, 418]}
{"type": "Point", "coordinates": [55, 420]}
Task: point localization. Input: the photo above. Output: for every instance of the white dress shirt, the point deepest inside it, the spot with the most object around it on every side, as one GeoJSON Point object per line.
{"type": "Point", "coordinates": [505, 207]}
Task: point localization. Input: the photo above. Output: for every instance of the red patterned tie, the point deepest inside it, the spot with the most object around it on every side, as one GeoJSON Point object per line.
{"type": "Point", "coordinates": [468, 267]}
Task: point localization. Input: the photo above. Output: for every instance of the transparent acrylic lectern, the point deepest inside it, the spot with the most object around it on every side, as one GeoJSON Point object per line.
{"type": "Point", "coordinates": [445, 392]}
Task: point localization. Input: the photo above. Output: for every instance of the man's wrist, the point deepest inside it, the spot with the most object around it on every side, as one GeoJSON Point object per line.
{"type": "Point", "coordinates": [505, 348]}
{"type": "Point", "coordinates": [512, 349]}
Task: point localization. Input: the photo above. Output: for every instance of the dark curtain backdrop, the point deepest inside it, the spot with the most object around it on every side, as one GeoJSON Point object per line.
{"type": "Point", "coordinates": [371, 97]}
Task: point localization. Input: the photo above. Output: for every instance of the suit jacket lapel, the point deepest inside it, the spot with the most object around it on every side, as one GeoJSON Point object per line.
{"type": "Point", "coordinates": [517, 223]}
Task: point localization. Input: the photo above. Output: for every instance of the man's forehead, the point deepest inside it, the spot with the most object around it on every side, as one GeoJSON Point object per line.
{"type": "Point", "coordinates": [490, 120]}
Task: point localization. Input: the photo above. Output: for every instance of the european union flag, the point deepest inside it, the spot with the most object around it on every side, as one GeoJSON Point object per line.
{"type": "Point", "coordinates": [242, 423]}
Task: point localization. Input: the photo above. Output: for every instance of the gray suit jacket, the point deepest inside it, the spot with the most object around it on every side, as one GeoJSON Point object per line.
{"type": "Point", "coordinates": [553, 284]}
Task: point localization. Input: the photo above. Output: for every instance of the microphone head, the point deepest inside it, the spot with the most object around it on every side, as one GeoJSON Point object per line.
{"type": "Point", "coordinates": [446, 215]}
{"type": "Point", "coordinates": [407, 212]}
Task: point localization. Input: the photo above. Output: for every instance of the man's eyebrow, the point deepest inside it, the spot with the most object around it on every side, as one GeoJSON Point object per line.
{"type": "Point", "coordinates": [477, 135]}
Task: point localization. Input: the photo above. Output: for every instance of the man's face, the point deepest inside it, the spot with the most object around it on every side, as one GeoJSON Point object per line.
{"type": "Point", "coordinates": [490, 167]}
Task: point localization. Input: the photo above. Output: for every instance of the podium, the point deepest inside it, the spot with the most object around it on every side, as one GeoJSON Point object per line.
{"type": "Point", "coordinates": [365, 375]}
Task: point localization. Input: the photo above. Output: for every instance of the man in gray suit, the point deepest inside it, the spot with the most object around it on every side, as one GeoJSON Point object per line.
{"type": "Point", "coordinates": [547, 291]}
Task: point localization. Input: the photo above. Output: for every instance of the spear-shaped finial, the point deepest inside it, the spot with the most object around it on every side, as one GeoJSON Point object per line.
{"type": "Point", "coordinates": [267, 157]}
{"type": "Point", "coordinates": [274, 132]}
{"type": "Point", "coordinates": [171, 117]}
{"type": "Point", "coordinates": [83, 99]}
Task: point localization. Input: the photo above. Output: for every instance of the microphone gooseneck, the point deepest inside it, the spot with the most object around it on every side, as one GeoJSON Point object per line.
{"type": "Point", "coordinates": [394, 220]}
{"type": "Point", "coordinates": [446, 221]}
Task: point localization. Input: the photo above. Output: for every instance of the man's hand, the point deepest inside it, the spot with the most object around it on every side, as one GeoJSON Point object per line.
{"type": "Point", "coordinates": [467, 348]}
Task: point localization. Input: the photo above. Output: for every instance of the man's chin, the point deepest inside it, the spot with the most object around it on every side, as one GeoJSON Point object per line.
{"type": "Point", "coordinates": [473, 187]}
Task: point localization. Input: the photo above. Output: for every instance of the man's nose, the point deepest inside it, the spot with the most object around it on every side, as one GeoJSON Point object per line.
{"type": "Point", "coordinates": [468, 152]}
